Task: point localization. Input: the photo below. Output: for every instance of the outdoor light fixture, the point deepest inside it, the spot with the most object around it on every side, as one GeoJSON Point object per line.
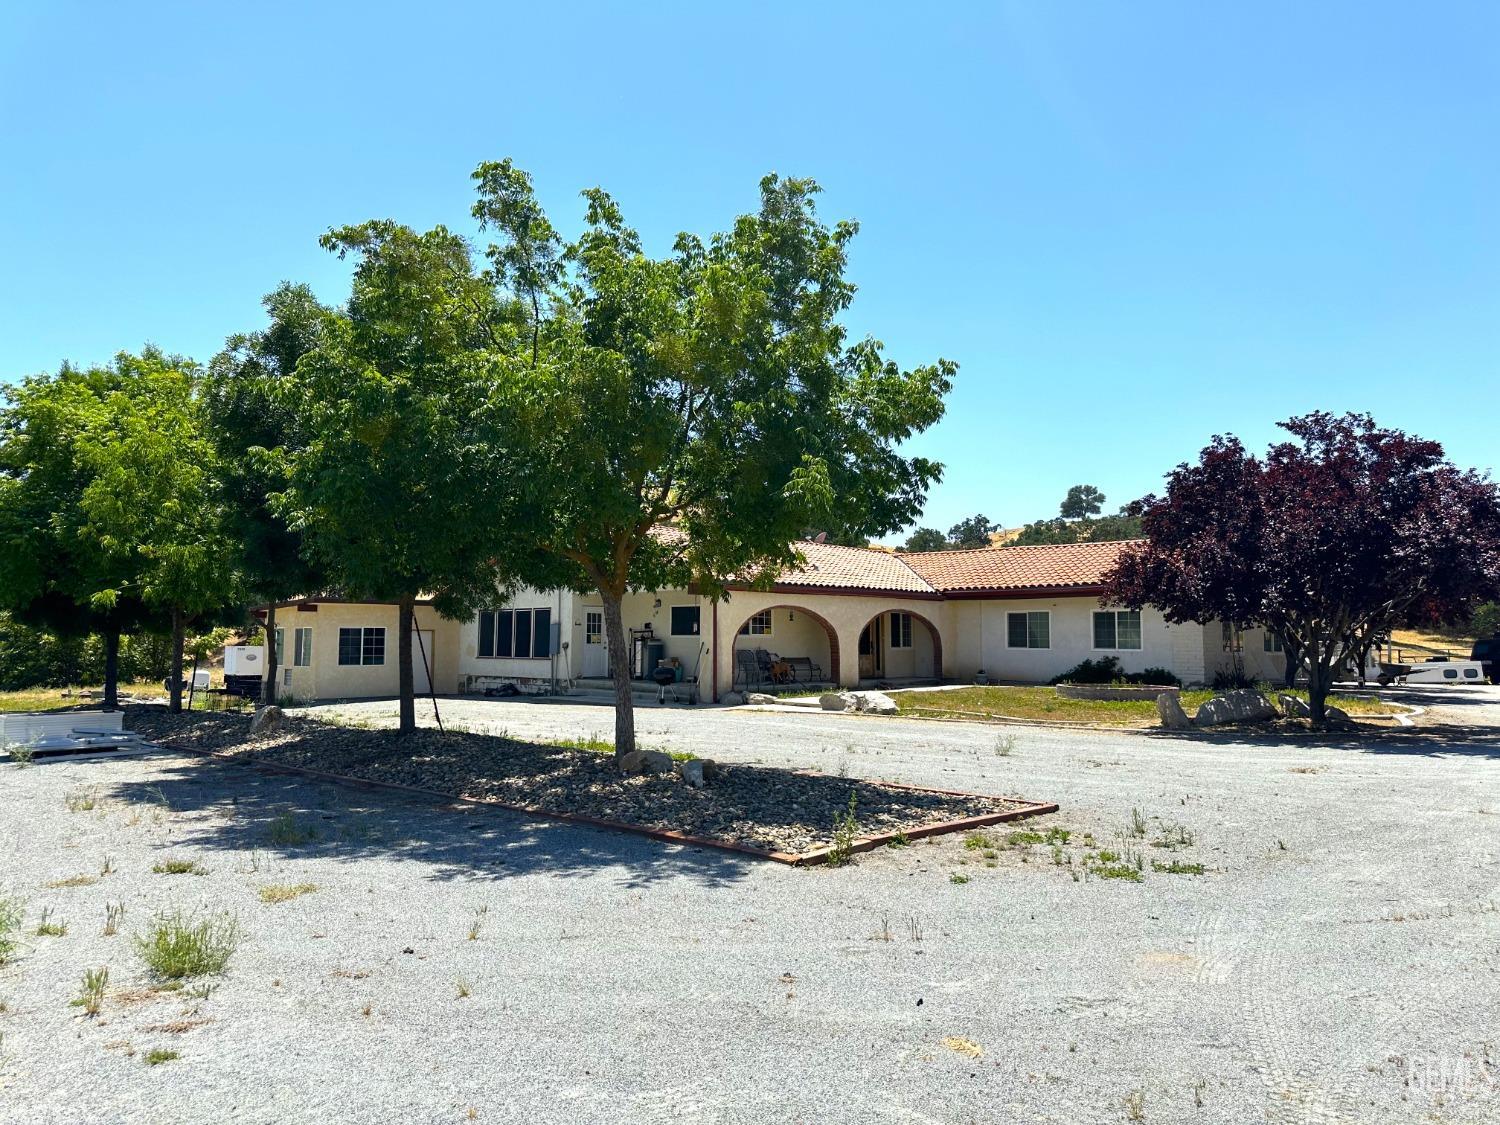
{"type": "Point", "coordinates": [657, 604]}
{"type": "Point", "coordinates": [790, 616]}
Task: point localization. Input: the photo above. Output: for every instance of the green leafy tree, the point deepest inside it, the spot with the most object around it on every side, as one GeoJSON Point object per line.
{"type": "Point", "coordinates": [687, 416]}
{"type": "Point", "coordinates": [926, 539]}
{"type": "Point", "coordinates": [1082, 500]}
{"type": "Point", "coordinates": [399, 485]}
{"type": "Point", "coordinates": [972, 532]}
{"type": "Point", "coordinates": [257, 431]}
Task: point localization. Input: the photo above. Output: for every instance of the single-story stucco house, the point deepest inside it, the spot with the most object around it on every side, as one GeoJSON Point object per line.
{"type": "Point", "coordinates": [858, 615]}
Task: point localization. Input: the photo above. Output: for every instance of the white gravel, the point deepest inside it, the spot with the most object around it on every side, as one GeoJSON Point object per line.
{"type": "Point", "coordinates": [1352, 974]}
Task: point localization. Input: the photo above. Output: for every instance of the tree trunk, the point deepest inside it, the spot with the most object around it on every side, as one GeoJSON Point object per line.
{"type": "Point", "coordinates": [174, 667]}
{"type": "Point", "coordinates": [1293, 661]}
{"type": "Point", "coordinates": [111, 668]}
{"type": "Point", "coordinates": [268, 692]}
{"type": "Point", "coordinates": [619, 670]}
{"type": "Point", "coordinates": [408, 683]}
{"type": "Point", "coordinates": [1317, 684]}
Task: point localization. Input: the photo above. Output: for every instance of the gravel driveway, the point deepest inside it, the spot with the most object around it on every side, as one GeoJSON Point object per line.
{"type": "Point", "coordinates": [1339, 961]}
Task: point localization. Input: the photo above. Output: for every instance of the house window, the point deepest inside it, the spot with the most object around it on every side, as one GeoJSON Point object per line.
{"type": "Point", "coordinates": [901, 630]}
{"type": "Point", "coordinates": [1117, 629]}
{"type": "Point", "coordinates": [1029, 630]}
{"type": "Point", "coordinates": [302, 648]}
{"type": "Point", "coordinates": [684, 621]}
{"type": "Point", "coordinates": [280, 646]}
{"type": "Point", "coordinates": [1233, 639]}
{"type": "Point", "coordinates": [362, 646]}
{"type": "Point", "coordinates": [759, 625]}
{"type": "Point", "coordinates": [1272, 642]}
{"type": "Point", "coordinates": [515, 632]}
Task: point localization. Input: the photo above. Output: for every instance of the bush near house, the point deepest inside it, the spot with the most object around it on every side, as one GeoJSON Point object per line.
{"type": "Point", "coordinates": [1107, 670]}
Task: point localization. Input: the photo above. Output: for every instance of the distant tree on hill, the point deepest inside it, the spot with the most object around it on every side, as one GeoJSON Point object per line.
{"type": "Point", "coordinates": [1082, 500]}
{"type": "Point", "coordinates": [926, 539]}
{"type": "Point", "coordinates": [972, 532]}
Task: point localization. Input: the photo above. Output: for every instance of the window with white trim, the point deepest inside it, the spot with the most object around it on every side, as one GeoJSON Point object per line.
{"type": "Point", "coordinates": [1117, 629]}
{"type": "Point", "coordinates": [1028, 630]}
{"type": "Point", "coordinates": [1272, 642]}
{"type": "Point", "coordinates": [900, 630]}
{"type": "Point", "coordinates": [520, 633]}
{"type": "Point", "coordinates": [362, 646]}
{"type": "Point", "coordinates": [759, 625]}
{"type": "Point", "coordinates": [302, 648]}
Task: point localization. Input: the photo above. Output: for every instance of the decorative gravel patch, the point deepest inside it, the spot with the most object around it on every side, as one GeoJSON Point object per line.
{"type": "Point", "coordinates": [763, 807]}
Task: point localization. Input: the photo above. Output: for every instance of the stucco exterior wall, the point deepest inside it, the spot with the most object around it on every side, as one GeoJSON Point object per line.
{"type": "Point", "coordinates": [472, 668]}
{"type": "Point", "coordinates": [326, 678]}
{"type": "Point", "coordinates": [980, 633]}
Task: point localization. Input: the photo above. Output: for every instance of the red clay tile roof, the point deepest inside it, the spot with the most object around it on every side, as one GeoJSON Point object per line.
{"type": "Point", "coordinates": [1007, 569]}
{"type": "Point", "coordinates": [853, 568]}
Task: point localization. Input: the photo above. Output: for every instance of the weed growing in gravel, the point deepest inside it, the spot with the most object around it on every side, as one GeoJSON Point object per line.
{"type": "Point", "coordinates": [1135, 1105]}
{"type": "Point", "coordinates": [20, 756]}
{"type": "Point", "coordinates": [107, 867]}
{"type": "Point", "coordinates": [12, 911]}
{"type": "Point", "coordinates": [178, 945]}
{"type": "Point", "coordinates": [1175, 836]}
{"type": "Point", "coordinates": [884, 932]}
{"type": "Point", "coordinates": [899, 840]}
{"type": "Point", "coordinates": [1137, 823]}
{"type": "Point", "coordinates": [590, 744]}
{"type": "Point", "coordinates": [178, 867]}
{"type": "Point", "coordinates": [845, 829]}
{"type": "Point", "coordinates": [977, 840]}
{"type": "Point", "coordinates": [1177, 867]}
{"type": "Point", "coordinates": [83, 799]}
{"type": "Point", "coordinates": [285, 892]}
{"type": "Point", "coordinates": [158, 1055]}
{"type": "Point", "coordinates": [914, 928]}
{"type": "Point", "coordinates": [285, 831]}
{"type": "Point", "coordinates": [1119, 871]}
{"type": "Point", "coordinates": [91, 994]}
{"type": "Point", "coordinates": [1005, 745]}
{"type": "Point", "coordinates": [73, 881]}
{"type": "Point", "coordinates": [464, 989]}
{"type": "Point", "coordinates": [478, 922]}
{"type": "Point", "coordinates": [48, 928]}
{"type": "Point", "coordinates": [958, 878]}
{"type": "Point", "coordinates": [114, 914]}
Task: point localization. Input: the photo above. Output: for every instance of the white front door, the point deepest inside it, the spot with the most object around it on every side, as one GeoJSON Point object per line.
{"type": "Point", "coordinates": [421, 668]}
{"type": "Point", "coordinates": [595, 652]}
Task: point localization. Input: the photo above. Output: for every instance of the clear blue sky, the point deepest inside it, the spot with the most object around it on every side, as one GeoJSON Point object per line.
{"type": "Point", "coordinates": [1133, 225]}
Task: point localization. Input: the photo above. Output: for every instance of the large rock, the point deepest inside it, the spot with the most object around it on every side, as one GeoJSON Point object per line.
{"type": "Point", "coordinates": [837, 701]}
{"type": "Point", "coordinates": [875, 703]}
{"type": "Point", "coordinates": [731, 699]}
{"type": "Point", "coordinates": [691, 772]}
{"type": "Point", "coordinates": [760, 697]}
{"type": "Point", "coordinates": [1337, 718]}
{"type": "Point", "coordinates": [647, 761]}
{"type": "Point", "coordinates": [268, 720]}
{"type": "Point", "coordinates": [712, 771]}
{"type": "Point", "coordinates": [1294, 706]}
{"type": "Point", "coordinates": [1169, 707]}
{"type": "Point", "coordinates": [1244, 706]}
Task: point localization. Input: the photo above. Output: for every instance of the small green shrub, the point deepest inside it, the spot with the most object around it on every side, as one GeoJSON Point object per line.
{"type": "Point", "coordinates": [48, 928]}
{"type": "Point", "coordinates": [91, 994]}
{"type": "Point", "coordinates": [12, 911]}
{"type": "Point", "coordinates": [179, 945]}
{"type": "Point", "coordinates": [958, 878]}
{"type": "Point", "coordinates": [285, 831]}
{"type": "Point", "coordinates": [20, 756]}
{"type": "Point", "coordinates": [178, 867]}
{"type": "Point", "coordinates": [845, 830]}
{"type": "Point", "coordinates": [158, 1055]}
{"type": "Point", "coordinates": [1177, 867]}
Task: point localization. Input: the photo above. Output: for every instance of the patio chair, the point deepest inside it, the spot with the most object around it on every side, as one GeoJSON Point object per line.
{"type": "Point", "coordinates": [747, 668]}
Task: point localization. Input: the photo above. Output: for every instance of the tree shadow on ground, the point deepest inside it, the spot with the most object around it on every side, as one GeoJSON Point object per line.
{"type": "Point", "coordinates": [238, 807]}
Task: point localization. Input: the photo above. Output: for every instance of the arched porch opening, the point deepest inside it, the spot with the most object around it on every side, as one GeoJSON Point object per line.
{"type": "Point", "coordinates": [898, 644]}
{"type": "Point", "coordinates": [783, 646]}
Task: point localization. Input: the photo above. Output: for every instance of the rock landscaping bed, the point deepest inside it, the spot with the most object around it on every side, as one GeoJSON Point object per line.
{"type": "Point", "coordinates": [789, 815]}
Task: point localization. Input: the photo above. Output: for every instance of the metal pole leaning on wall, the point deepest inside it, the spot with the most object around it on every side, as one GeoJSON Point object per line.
{"type": "Point", "coordinates": [431, 679]}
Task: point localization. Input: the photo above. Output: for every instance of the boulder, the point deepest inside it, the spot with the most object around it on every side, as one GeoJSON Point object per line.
{"type": "Point", "coordinates": [836, 701]}
{"type": "Point", "coordinates": [731, 699]}
{"type": "Point", "coordinates": [691, 772]}
{"type": "Point", "coordinates": [1337, 718]}
{"type": "Point", "coordinates": [760, 698]}
{"type": "Point", "coordinates": [1244, 706]}
{"type": "Point", "coordinates": [1169, 707]}
{"type": "Point", "coordinates": [647, 761]}
{"type": "Point", "coordinates": [875, 703]}
{"type": "Point", "coordinates": [712, 771]}
{"type": "Point", "coordinates": [1294, 706]}
{"type": "Point", "coordinates": [268, 720]}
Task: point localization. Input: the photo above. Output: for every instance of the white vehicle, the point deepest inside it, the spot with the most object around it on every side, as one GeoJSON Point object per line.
{"type": "Point", "coordinates": [1437, 672]}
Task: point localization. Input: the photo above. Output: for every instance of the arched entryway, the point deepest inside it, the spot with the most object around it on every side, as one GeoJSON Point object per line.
{"type": "Point", "coordinates": [898, 644]}
{"type": "Point", "coordinates": [783, 645]}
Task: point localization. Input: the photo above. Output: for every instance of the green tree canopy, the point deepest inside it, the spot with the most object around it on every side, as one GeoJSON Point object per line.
{"type": "Point", "coordinates": [926, 539]}
{"type": "Point", "coordinates": [712, 391]}
{"type": "Point", "coordinates": [971, 533]}
{"type": "Point", "coordinates": [1082, 500]}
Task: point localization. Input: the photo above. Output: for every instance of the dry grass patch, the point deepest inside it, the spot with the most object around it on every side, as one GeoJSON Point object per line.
{"type": "Point", "coordinates": [179, 867]}
{"type": "Point", "coordinates": [285, 892]}
{"type": "Point", "coordinates": [73, 881]}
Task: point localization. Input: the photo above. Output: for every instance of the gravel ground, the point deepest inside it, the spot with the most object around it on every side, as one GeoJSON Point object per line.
{"type": "Point", "coordinates": [767, 807]}
{"type": "Point", "coordinates": [1340, 961]}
